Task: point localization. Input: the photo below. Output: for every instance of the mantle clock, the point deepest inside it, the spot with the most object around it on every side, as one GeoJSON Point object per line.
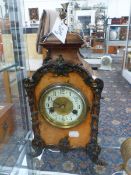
{"type": "Point", "coordinates": [64, 99]}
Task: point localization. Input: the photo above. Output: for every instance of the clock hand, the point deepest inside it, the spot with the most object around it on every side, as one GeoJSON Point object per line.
{"type": "Point", "coordinates": [59, 105]}
{"type": "Point", "coordinates": [52, 109]}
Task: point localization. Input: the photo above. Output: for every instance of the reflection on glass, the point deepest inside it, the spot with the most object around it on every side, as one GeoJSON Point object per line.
{"type": "Point", "coordinates": [6, 44]}
{"type": "Point", "coordinates": [128, 63]}
{"type": "Point", "coordinates": [128, 55]}
{"type": "Point", "coordinates": [13, 109]}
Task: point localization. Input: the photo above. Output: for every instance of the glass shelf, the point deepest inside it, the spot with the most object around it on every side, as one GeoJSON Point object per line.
{"type": "Point", "coordinates": [6, 66]}
{"type": "Point", "coordinates": [54, 162]}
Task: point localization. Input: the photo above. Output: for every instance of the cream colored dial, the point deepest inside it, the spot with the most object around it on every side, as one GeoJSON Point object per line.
{"type": "Point", "coordinates": [63, 105]}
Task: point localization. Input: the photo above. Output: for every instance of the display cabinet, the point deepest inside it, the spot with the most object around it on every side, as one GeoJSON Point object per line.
{"type": "Point", "coordinates": [14, 123]}
{"type": "Point", "coordinates": [117, 35]}
{"type": "Point", "coordinates": [16, 153]}
{"type": "Point", "coordinates": [126, 69]}
{"type": "Point", "coordinates": [99, 34]}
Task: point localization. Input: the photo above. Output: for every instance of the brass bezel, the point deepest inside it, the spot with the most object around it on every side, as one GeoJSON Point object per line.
{"type": "Point", "coordinates": [83, 115]}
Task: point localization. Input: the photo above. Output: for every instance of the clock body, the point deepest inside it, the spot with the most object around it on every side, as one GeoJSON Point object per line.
{"type": "Point", "coordinates": [64, 98]}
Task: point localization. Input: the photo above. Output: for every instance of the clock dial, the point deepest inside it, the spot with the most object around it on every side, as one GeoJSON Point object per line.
{"type": "Point", "coordinates": [63, 105]}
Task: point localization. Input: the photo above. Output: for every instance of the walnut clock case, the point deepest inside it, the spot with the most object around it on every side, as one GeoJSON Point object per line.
{"type": "Point", "coordinates": [64, 99]}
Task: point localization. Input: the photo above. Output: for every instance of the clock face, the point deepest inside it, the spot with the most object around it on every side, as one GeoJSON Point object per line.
{"type": "Point", "coordinates": [63, 105]}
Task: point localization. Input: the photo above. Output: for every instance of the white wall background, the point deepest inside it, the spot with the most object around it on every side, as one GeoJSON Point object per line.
{"type": "Point", "coordinates": [116, 8]}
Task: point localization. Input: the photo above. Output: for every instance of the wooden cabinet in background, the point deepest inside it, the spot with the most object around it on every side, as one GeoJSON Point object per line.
{"type": "Point", "coordinates": [98, 46]}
